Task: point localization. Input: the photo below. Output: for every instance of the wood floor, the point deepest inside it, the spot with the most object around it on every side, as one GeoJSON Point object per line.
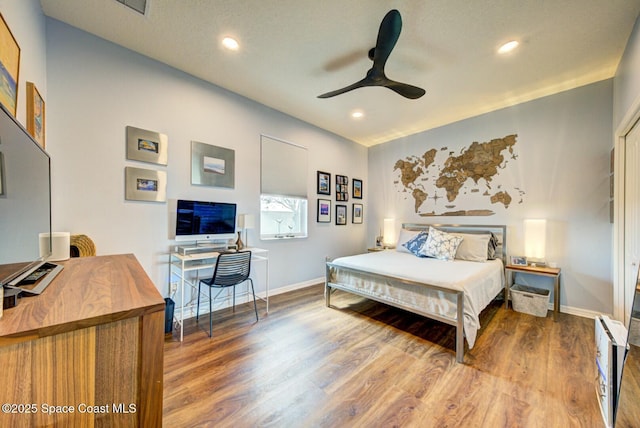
{"type": "Point", "coordinates": [364, 364]}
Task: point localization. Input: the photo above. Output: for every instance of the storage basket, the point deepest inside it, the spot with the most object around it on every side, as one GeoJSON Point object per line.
{"type": "Point", "coordinates": [530, 300]}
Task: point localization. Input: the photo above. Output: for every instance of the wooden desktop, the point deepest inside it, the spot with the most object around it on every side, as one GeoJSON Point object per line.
{"type": "Point", "coordinates": [88, 351]}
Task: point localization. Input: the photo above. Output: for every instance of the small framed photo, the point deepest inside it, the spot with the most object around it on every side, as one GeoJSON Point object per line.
{"type": "Point", "coordinates": [35, 114]}
{"type": "Point", "coordinates": [356, 214]}
{"type": "Point", "coordinates": [341, 215]}
{"type": "Point", "coordinates": [357, 189]}
{"type": "Point", "coordinates": [145, 185]}
{"type": "Point", "coordinates": [324, 211]}
{"type": "Point", "coordinates": [146, 146]}
{"type": "Point", "coordinates": [518, 261]}
{"type": "Point", "coordinates": [324, 183]}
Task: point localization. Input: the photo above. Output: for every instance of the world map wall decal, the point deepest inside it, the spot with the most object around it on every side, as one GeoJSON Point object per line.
{"type": "Point", "coordinates": [470, 183]}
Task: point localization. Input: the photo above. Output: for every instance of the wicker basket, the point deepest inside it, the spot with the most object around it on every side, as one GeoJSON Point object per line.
{"type": "Point", "coordinates": [530, 300]}
{"type": "Point", "coordinates": [82, 246]}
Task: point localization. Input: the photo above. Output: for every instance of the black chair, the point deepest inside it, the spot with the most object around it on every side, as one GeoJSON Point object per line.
{"type": "Point", "coordinates": [231, 269]}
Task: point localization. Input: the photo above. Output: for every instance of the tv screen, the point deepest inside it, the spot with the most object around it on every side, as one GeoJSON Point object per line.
{"type": "Point", "coordinates": [25, 199]}
{"type": "Point", "coordinates": [198, 220]}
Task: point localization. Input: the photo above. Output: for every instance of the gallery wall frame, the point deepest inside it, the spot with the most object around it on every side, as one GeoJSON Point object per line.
{"type": "Point", "coordinates": [357, 213]}
{"type": "Point", "coordinates": [35, 114]}
{"type": "Point", "coordinates": [342, 188]}
{"type": "Point", "coordinates": [146, 146]}
{"type": "Point", "coordinates": [357, 189]}
{"type": "Point", "coordinates": [324, 211]}
{"type": "Point", "coordinates": [324, 183]}
{"type": "Point", "coordinates": [1, 174]}
{"type": "Point", "coordinates": [9, 67]}
{"type": "Point", "coordinates": [212, 165]}
{"type": "Point", "coordinates": [145, 184]}
{"type": "Point", "coordinates": [341, 215]}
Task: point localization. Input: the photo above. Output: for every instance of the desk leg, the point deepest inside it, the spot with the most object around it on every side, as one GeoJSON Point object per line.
{"type": "Point", "coordinates": [507, 287]}
{"type": "Point", "coordinates": [556, 297]}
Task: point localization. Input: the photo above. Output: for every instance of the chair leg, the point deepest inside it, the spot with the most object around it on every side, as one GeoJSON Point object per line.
{"type": "Point", "coordinates": [198, 304]}
{"type": "Point", "coordinates": [210, 314]}
{"type": "Point", "coordinates": [234, 299]}
{"type": "Point", "coordinates": [253, 292]}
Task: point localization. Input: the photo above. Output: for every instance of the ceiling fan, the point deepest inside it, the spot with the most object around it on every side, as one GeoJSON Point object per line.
{"type": "Point", "coordinates": [387, 37]}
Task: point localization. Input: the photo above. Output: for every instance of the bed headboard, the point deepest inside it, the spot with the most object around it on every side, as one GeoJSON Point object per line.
{"type": "Point", "coordinates": [500, 231]}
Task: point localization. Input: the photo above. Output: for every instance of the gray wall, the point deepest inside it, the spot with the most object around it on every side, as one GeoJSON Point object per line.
{"type": "Point", "coordinates": [563, 149]}
{"type": "Point", "coordinates": [97, 88]}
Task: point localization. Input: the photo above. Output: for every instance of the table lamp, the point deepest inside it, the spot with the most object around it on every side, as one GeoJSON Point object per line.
{"type": "Point", "coordinates": [535, 240]}
{"type": "Point", "coordinates": [389, 233]}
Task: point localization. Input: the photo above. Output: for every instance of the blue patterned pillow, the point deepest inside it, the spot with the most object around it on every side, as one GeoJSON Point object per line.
{"type": "Point", "coordinates": [414, 245]}
{"type": "Point", "coordinates": [441, 245]}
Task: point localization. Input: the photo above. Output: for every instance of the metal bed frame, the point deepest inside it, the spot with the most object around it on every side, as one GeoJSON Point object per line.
{"type": "Point", "coordinates": [499, 230]}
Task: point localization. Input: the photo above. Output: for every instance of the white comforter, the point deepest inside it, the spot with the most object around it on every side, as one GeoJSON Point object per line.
{"type": "Point", "coordinates": [481, 282]}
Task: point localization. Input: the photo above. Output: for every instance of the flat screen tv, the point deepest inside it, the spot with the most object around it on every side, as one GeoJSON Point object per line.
{"type": "Point", "coordinates": [25, 205]}
{"type": "Point", "coordinates": [205, 221]}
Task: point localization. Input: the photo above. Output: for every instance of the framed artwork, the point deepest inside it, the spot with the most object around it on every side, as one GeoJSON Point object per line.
{"type": "Point", "coordinates": [324, 211]}
{"type": "Point", "coordinates": [146, 146]}
{"type": "Point", "coordinates": [357, 189]}
{"type": "Point", "coordinates": [342, 188]}
{"type": "Point", "coordinates": [1, 174]}
{"type": "Point", "coordinates": [212, 165]}
{"type": "Point", "coordinates": [356, 215]}
{"type": "Point", "coordinates": [324, 183]}
{"type": "Point", "coordinates": [341, 215]}
{"type": "Point", "coordinates": [518, 260]}
{"type": "Point", "coordinates": [35, 114]}
{"type": "Point", "coordinates": [145, 185]}
{"type": "Point", "coordinates": [9, 67]}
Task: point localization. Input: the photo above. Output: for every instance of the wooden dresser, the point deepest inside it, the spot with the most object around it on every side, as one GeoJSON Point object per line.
{"type": "Point", "coordinates": [88, 351]}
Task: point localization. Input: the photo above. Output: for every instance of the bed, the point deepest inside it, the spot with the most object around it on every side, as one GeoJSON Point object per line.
{"type": "Point", "coordinates": [450, 291]}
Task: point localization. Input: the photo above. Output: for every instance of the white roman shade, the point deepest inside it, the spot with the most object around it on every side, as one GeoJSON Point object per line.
{"type": "Point", "coordinates": [284, 168]}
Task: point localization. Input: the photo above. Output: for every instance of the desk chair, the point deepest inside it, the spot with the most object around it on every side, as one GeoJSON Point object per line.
{"type": "Point", "coordinates": [231, 269]}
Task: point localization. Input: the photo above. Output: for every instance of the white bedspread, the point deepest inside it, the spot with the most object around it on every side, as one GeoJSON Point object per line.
{"type": "Point", "coordinates": [481, 282]}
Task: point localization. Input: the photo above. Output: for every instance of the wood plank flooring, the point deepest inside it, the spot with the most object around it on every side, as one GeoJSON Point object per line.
{"type": "Point", "coordinates": [365, 364]}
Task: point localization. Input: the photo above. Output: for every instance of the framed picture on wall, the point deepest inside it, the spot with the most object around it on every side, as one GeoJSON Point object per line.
{"type": "Point", "coordinates": [356, 214]}
{"type": "Point", "coordinates": [324, 183]}
{"type": "Point", "coordinates": [324, 211]}
{"type": "Point", "coordinates": [145, 185]}
{"type": "Point", "coordinates": [357, 189]}
{"type": "Point", "coordinates": [342, 188]}
{"type": "Point", "coordinates": [341, 215]}
{"type": "Point", "coordinates": [35, 114]}
{"type": "Point", "coordinates": [9, 66]}
{"type": "Point", "coordinates": [146, 146]}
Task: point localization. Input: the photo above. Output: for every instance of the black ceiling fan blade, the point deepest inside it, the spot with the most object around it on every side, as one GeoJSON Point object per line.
{"type": "Point", "coordinates": [404, 89]}
{"type": "Point", "coordinates": [359, 84]}
{"type": "Point", "coordinates": [388, 35]}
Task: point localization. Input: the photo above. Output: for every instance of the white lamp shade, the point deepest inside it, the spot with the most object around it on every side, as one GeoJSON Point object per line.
{"type": "Point", "coordinates": [249, 221]}
{"type": "Point", "coordinates": [535, 238]}
{"type": "Point", "coordinates": [389, 231]}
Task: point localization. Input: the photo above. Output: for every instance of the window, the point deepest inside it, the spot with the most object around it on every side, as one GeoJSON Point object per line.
{"type": "Point", "coordinates": [283, 185]}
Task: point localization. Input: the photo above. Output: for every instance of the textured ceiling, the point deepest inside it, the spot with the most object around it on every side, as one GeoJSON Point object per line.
{"type": "Point", "coordinates": [293, 50]}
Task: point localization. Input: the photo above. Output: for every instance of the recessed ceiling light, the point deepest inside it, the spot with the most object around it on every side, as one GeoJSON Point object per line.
{"type": "Point", "coordinates": [357, 114]}
{"type": "Point", "coordinates": [230, 43]}
{"type": "Point", "coordinates": [508, 47]}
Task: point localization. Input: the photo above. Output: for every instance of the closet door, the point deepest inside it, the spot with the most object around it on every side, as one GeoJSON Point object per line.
{"type": "Point", "coordinates": [631, 216]}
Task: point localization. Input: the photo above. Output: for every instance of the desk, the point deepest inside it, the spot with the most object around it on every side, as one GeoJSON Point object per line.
{"type": "Point", "coordinates": [550, 272]}
{"type": "Point", "coordinates": [180, 265]}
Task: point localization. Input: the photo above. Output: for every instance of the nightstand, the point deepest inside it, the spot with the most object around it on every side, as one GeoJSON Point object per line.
{"type": "Point", "coordinates": [553, 273]}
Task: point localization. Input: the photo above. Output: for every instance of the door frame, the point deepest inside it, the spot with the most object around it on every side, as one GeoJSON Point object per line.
{"type": "Point", "coordinates": [626, 124]}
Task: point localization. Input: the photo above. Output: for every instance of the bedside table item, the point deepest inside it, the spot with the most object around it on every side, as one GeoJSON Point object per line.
{"type": "Point", "coordinates": [530, 300]}
{"type": "Point", "coordinates": [553, 273]}
{"type": "Point", "coordinates": [375, 249]}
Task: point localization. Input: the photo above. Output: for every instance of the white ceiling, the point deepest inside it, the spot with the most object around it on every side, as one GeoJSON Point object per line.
{"type": "Point", "coordinates": [291, 51]}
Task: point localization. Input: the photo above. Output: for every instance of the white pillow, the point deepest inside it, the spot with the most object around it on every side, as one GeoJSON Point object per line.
{"type": "Point", "coordinates": [441, 245]}
{"type": "Point", "coordinates": [473, 247]}
{"type": "Point", "coordinates": [403, 238]}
